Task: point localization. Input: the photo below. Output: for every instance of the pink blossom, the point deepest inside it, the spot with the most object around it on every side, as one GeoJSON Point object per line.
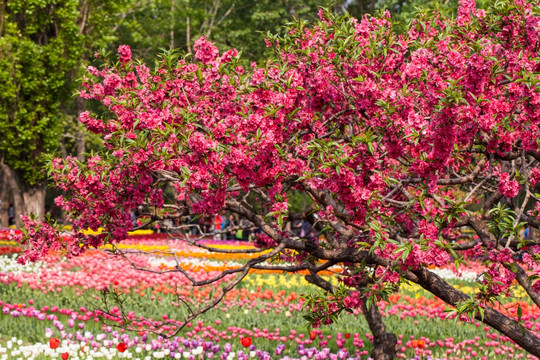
{"type": "Point", "coordinates": [507, 187]}
{"type": "Point", "coordinates": [125, 53]}
{"type": "Point", "coordinates": [534, 176]}
{"type": "Point", "coordinates": [205, 51]}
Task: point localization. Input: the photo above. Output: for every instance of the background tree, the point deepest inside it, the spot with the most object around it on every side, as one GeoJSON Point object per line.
{"type": "Point", "coordinates": [42, 47]}
{"type": "Point", "coordinates": [150, 26]}
{"type": "Point", "coordinates": [97, 23]}
{"type": "Point", "coordinates": [39, 44]}
{"type": "Point", "coordinates": [398, 140]}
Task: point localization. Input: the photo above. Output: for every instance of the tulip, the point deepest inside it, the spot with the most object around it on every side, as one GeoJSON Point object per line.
{"type": "Point", "coordinates": [54, 343]}
{"type": "Point", "coordinates": [121, 347]}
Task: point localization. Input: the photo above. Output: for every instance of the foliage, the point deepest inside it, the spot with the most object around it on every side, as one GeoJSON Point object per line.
{"type": "Point", "coordinates": [164, 24]}
{"type": "Point", "coordinates": [403, 12]}
{"type": "Point", "coordinates": [39, 44]}
{"type": "Point", "coordinates": [42, 46]}
{"type": "Point", "coordinates": [97, 26]}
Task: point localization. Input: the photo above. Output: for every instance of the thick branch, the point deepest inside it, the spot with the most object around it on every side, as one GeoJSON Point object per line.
{"type": "Point", "coordinates": [523, 280]}
{"type": "Point", "coordinates": [530, 220]}
{"type": "Point", "coordinates": [512, 155]}
{"type": "Point", "coordinates": [294, 268]}
{"type": "Point", "coordinates": [465, 246]}
{"type": "Point", "coordinates": [509, 327]}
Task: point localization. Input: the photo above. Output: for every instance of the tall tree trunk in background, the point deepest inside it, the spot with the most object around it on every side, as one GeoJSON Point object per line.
{"type": "Point", "coordinates": [80, 136]}
{"type": "Point", "coordinates": [14, 191]}
{"type": "Point", "coordinates": [34, 199]}
{"type": "Point", "coordinates": [4, 199]}
{"type": "Point", "coordinates": [171, 32]}
{"type": "Point", "coordinates": [2, 15]}
{"type": "Point", "coordinates": [188, 35]}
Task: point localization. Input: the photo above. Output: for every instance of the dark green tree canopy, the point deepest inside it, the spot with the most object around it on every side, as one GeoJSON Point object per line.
{"type": "Point", "coordinates": [39, 45]}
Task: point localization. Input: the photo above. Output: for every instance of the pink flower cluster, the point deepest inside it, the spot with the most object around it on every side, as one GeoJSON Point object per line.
{"type": "Point", "coordinates": [507, 187]}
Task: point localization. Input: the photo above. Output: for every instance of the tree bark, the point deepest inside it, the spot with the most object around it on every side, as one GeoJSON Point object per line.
{"type": "Point", "coordinates": [34, 199]}
{"type": "Point", "coordinates": [502, 323]}
{"type": "Point", "coordinates": [384, 343]}
{"type": "Point", "coordinates": [171, 30]}
{"type": "Point", "coordinates": [4, 199]}
{"type": "Point", "coordinates": [14, 191]}
{"type": "Point", "coordinates": [80, 136]}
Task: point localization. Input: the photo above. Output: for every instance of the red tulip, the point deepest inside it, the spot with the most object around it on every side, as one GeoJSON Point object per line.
{"type": "Point", "coordinates": [313, 335]}
{"type": "Point", "coordinates": [121, 347]}
{"type": "Point", "coordinates": [54, 343]}
{"type": "Point", "coordinates": [245, 341]}
{"type": "Point", "coordinates": [65, 356]}
{"type": "Point", "coordinates": [347, 335]}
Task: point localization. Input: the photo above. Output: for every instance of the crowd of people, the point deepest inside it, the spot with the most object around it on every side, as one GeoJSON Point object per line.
{"type": "Point", "coordinates": [224, 226]}
{"type": "Point", "coordinates": [227, 227]}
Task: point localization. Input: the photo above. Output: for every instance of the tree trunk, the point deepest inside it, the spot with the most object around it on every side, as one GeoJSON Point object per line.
{"type": "Point", "coordinates": [14, 191]}
{"type": "Point", "coordinates": [81, 145]}
{"type": "Point", "coordinates": [34, 199]}
{"type": "Point", "coordinates": [171, 31]}
{"type": "Point", "coordinates": [4, 199]}
{"type": "Point", "coordinates": [384, 343]}
{"type": "Point", "coordinates": [80, 136]}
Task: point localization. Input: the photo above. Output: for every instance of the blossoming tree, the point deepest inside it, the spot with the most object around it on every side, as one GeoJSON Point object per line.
{"type": "Point", "coordinates": [399, 140]}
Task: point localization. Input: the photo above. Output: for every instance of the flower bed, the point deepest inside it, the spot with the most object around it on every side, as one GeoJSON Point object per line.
{"type": "Point", "coordinates": [61, 299]}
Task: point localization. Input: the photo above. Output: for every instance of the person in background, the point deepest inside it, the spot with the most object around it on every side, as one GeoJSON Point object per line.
{"type": "Point", "coordinates": [195, 228]}
{"type": "Point", "coordinates": [133, 217]}
{"type": "Point", "coordinates": [246, 229]}
{"type": "Point", "coordinates": [225, 228]}
{"type": "Point", "coordinates": [11, 214]}
{"type": "Point", "coordinates": [206, 224]}
{"type": "Point", "coordinates": [217, 225]}
{"type": "Point", "coordinates": [526, 232]}
{"type": "Point", "coordinates": [305, 228]}
{"type": "Point", "coordinates": [231, 234]}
